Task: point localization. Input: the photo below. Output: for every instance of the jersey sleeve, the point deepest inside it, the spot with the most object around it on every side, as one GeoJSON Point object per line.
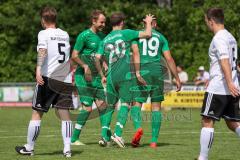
{"type": "Point", "coordinates": [79, 43]}
{"type": "Point", "coordinates": [165, 46]}
{"type": "Point", "coordinates": [134, 42]}
{"type": "Point", "coordinates": [222, 48]}
{"type": "Point", "coordinates": [42, 40]}
{"type": "Point", "coordinates": [131, 34]}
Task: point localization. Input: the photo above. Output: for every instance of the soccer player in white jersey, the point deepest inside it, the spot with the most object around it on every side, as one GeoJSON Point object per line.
{"type": "Point", "coordinates": [222, 95]}
{"type": "Point", "coordinates": [52, 87]}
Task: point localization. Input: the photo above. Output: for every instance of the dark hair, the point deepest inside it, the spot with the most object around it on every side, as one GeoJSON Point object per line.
{"type": "Point", "coordinates": [215, 14]}
{"type": "Point", "coordinates": [49, 14]}
{"type": "Point", "coordinates": [95, 14]}
{"type": "Point", "coordinates": [117, 18]}
{"type": "Point", "coordinates": [181, 66]}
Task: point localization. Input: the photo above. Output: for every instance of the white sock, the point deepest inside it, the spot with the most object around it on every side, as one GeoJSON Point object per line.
{"type": "Point", "coordinates": [237, 130]}
{"type": "Point", "coordinates": [66, 134]}
{"type": "Point", "coordinates": [206, 140]}
{"type": "Point", "coordinates": [33, 132]}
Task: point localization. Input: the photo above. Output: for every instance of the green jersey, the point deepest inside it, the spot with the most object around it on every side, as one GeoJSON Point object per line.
{"type": "Point", "coordinates": [152, 69]}
{"type": "Point", "coordinates": [151, 50]}
{"type": "Point", "coordinates": [87, 45]}
{"type": "Point", "coordinates": [116, 48]}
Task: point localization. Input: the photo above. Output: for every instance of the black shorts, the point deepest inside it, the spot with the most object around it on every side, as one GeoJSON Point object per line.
{"type": "Point", "coordinates": [221, 106]}
{"type": "Point", "coordinates": [53, 93]}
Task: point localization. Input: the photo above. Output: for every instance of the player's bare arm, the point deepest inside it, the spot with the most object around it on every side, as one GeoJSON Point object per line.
{"type": "Point", "coordinates": [228, 76]}
{"type": "Point", "coordinates": [136, 62]}
{"type": "Point", "coordinates": [99, 68]}
{"type": "Point", "coordinates": [87, 71]}
{"type": "Point", "coordinates": [173, 68]}
{"type": "Point", "coordinates": [148, 30]}
{"type": "Point", "coordinates": [42, 53]}
{"type": "Point", "coordinates": [105, 65]}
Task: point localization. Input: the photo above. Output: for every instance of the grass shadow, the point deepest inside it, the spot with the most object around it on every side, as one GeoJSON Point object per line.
{"type": "Point", "coordinates": [74, 153]}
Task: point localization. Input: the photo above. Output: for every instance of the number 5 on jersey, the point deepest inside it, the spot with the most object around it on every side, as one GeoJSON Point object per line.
{"type": "Point", "coordinates": [60, 45]}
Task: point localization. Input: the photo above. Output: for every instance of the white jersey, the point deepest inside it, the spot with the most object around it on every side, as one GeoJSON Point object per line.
{"type": "Point", "coordinates": [223, 45]}
{"type": "Point", "coordinates": [56, 65]}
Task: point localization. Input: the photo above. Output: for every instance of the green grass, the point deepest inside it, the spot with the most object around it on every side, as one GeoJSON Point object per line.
{"type": "Point", "coordinates": [179, 138]}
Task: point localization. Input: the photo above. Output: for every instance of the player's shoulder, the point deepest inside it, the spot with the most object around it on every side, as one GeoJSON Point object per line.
{"type": "Point", "coordinates": [62, 31]}
{"type": "Point", "coordinates": [127, 31]}
{"type": "Point", "coordinates": [42, 33]}
{"type": "Point", "coordinates": [158, 34]}
{"type": "Point", "coordinates": [106, 38]}
{"type": "Point", "coordinates": [51, 31]}
{"type": "Point", "coordinates": [222, 35]}
{"type": "Point", "coordinates": [85, 32]}
{"type": "Point", "coordinates": [109, 36]}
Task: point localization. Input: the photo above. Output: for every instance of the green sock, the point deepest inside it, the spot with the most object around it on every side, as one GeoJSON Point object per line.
{"type": "Point", "coordinates": [81, 121]}
{"type": "Point", "coordinates": [101, 114]}
{"type": "Point", "coordinates": [156, 124]}
{"type": "Point", "coordinates": [106, 120]}
{"type": "Point", "coordinates": [136, 116]}
{"type": "Point", "coordinates": [121, 120]}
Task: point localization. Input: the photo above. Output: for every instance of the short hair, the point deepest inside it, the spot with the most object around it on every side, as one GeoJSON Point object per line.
{"type": "Point", "coordinates": [215, 14]}
{"type": "Point", "coordinates": [117, 18]}
{"type": "Point", "coordinates": [49, 14]}
{"type": "Point", "coordinates": [181, 66]}
{"type": "Point", "coordinates": [95, 14]}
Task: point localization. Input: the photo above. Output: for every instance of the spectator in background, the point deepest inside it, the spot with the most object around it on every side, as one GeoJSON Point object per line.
{"type": "Point", "coordinates": [202, 76]}
{"type": "Point", "coordinates": [183, 76]}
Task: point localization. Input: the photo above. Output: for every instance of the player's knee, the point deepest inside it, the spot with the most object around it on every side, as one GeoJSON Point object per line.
{"type": "Point", "coordinates": [88, 108]}
{"type": "Point", "coordinates": [126, 104]}
{"type": "Point", "coordinates": [207, 122]}
{"type": "Point", "coordinates": [138, 104]}
{"type": "Point", "coordinates": [156, 106]}
{"type": "Point", "coordinates": [63, 114]}
{"type": "Point", "coordinates": [101, 104]}
{"type": "Point", "coordinates": [37, 115]}
{"type": "Point", "coordinates": [232, 125]}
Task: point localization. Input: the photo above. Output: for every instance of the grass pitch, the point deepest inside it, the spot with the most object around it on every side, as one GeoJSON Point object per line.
{"type": "Point", "coordinates": [179, 138]}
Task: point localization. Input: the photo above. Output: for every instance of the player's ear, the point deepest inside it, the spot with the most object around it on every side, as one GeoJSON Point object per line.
{"type": "Point", "coordinates": [43, 23]}
{"type": "Point", "coordinates": [122, 23]}
{"type": "Point", "coordinates": [154, 24]}
{"type": "Point", "coordinates": [94, 21]}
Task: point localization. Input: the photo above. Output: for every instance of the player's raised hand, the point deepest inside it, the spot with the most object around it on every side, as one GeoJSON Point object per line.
{"type": "Point", "coordinates": [87, 73]}
{"type": "Point", "coordinates": [149, 18]}
{"type": "Point", "coordinates": [178, 85]}
{"type": "Point", "coordinates": [39, 78]}
{"type": "Point", "coordinates": [233, 90]}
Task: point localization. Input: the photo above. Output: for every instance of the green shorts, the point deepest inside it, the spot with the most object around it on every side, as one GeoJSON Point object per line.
{"type": "Point", "coordinates": [89, 91]}
{"type": "Point", "coordinates": [119, 90]}
{"type": "Point", "coordinates": [154, 88]}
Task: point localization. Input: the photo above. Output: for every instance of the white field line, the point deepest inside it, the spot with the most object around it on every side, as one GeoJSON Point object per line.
{"type": "Point", "coordinates": [126, 133]}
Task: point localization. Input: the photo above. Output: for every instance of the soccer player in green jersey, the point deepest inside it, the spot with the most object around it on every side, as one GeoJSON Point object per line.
{"type": "Point", "coordinates": [150, 74]}
{"type": "Point", "coordinates": [116, 47]}
{"type": "Point", "coordinates": [87, 79]}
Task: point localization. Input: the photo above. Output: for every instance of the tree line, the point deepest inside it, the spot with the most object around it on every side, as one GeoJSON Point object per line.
{"type": "Point", "coordinates": [183, 25]}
